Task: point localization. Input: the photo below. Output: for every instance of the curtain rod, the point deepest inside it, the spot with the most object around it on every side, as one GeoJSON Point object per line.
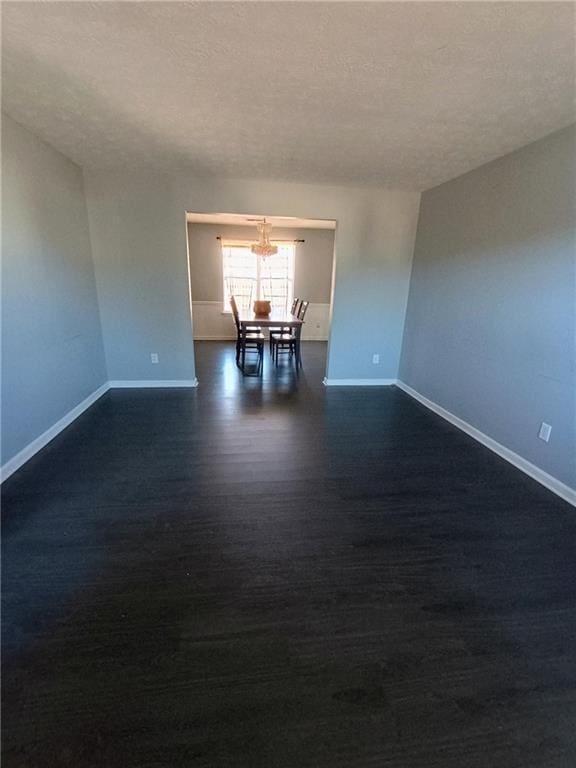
{"type": "Point", "coordinates": [247, 240]}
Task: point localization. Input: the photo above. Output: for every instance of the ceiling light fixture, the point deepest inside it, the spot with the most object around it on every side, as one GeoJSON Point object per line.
{"type": "Point", "coordinates": [264, 247]}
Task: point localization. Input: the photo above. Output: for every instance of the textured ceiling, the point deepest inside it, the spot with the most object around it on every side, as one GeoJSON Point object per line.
{"type": "Point", "coordinates": [404, 94]}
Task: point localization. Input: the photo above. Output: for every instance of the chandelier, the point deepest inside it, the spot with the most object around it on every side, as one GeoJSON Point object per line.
{"type": "Point", "coordinates": [264, 247]}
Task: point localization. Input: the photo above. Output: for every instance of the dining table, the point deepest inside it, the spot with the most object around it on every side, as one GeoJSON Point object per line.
{"type": "Point", "coordinates": [277, 318]}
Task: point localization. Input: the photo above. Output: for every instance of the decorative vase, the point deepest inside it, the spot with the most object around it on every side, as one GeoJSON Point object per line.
{"type": "Point", "coordinates": [262, 308]}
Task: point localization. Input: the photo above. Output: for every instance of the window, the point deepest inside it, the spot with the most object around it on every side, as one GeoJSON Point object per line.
{"type": "Point", "coordinates": [248, 277]}
{"type": "Point", "coordinates": [240, 272]}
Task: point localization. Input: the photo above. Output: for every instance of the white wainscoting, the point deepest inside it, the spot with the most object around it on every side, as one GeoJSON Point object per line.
{"type": "Point", "coordinates": [211, 324]}
{"type": "Point", "coordinates": [317, 324]}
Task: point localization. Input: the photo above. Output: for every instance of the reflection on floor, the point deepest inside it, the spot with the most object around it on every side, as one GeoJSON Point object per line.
{"type": "Point", "coordinates": [215, 361]}
{"type": "Point", "coordinates": [267, 573]}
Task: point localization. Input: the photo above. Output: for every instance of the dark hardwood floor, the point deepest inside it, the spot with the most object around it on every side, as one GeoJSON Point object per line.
{"type": "Point", "coordinates": [266, 573]}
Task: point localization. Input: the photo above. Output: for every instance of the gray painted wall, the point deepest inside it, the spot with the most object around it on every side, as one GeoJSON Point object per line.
{"type": "Point", "coordinates": [490, 328]}
{"type": "Point", "coordinates": [52, 353]}
{"type": "Point", "coordinates": [138, 231]}
{"type": "Point", "coordinates": [312, 271]}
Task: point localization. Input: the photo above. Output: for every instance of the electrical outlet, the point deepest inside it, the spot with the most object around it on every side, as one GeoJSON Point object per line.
{"type": "Point", "coordinates": [154, 357]}
{"type": "Point", "coordinates": [545, 430]}
{"type": "Point", "coordinates": [375, 359]}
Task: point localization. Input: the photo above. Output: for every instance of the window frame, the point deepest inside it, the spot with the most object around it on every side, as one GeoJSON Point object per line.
{"type": "Point", "coordinates": [226, 309]}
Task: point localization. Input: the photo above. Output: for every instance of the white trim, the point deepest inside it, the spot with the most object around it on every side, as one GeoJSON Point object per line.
{"type": "Point", "coordinates": [215, 338]}
{"type": "Point", "coordinates": [38, 443]}
{"type": "Point", "coordinates": [358, 382]}
{"type": "Point", "coordinates": [245, 244]}
{"type": "Point", "coordinates": [211, 323]}
{"type": "Point", "coordinates": [153, 384]}
{"type": "Point", "coordinates": [542, 477]}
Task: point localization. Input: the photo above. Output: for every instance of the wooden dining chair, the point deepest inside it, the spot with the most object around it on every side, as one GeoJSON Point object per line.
{"type": "Point", "coordinates": [290, 342]}
{"type": "Point", "coordinates": [303, 309]}
{"type": "Point", "coordinates": [253, 340]}
{"type": "Point", "coordinates": [272, 332]}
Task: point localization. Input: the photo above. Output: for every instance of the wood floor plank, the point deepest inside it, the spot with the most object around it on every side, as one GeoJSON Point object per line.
{"type": "Point", "coordinates": [270, 573]}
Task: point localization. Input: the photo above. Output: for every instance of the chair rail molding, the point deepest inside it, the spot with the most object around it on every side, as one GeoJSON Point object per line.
{"type": "Point", "coordinates": [211, 323]}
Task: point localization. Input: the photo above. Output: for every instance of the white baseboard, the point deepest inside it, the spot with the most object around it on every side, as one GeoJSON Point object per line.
{"type": "Point", "coordinates": [36, 445]}
{"type": "Point", "coordinates": [358, 382]}
{"type": "Point", "coordinates": [548, 481]}
{"type": "Point", "coordinates": [153, 384]}
{"type": "Point", "coordinates": [214, 338]}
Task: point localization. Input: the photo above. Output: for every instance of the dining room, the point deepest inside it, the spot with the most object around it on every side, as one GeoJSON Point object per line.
{"type": "Point", "coordinates": [261, 292]}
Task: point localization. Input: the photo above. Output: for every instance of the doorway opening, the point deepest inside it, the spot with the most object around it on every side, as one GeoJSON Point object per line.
{"type": "Point", "coordinates": [223, 264]}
